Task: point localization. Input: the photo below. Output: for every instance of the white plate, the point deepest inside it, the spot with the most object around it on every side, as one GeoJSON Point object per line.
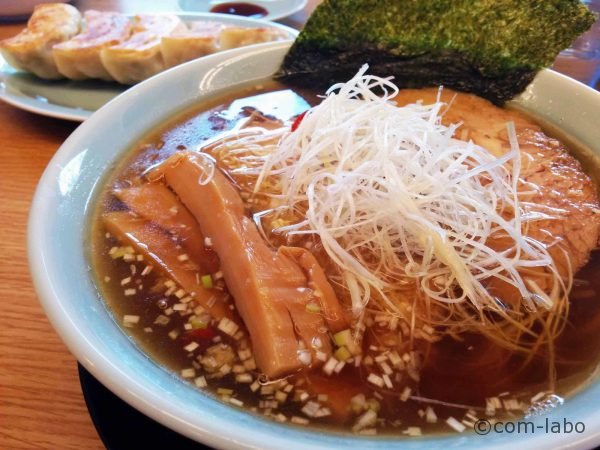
{"type": "Point", "coordinates": [58, 243]}
{"type": "Point", "coordinates": [77, 100]}
{"type": "Point", "coordinates": [276, 9]}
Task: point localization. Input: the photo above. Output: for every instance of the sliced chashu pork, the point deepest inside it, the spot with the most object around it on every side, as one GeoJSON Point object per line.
{"type": "Point", "coordinates": [554, 180]}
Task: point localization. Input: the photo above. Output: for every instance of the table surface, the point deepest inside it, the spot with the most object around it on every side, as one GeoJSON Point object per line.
{"type": "Point", "coordinates": [41, 404]}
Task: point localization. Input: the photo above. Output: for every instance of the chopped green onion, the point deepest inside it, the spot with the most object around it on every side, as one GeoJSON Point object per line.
{"type": "Point", "coordinates": [313, 307]}
{"type": "Point", "coordinates": [358, 403]}
{"type": "Point", "coordinates": [342, 354]}
{"type": "Point", "coordinates": [207, 281]}
{"type": "Point", "coordinates": [342, 338]}
{"type": "Point", "coordinates": [199, 322]}
{"type": "Point", "coordinates": [278, 223]}
{"type": "Point", "coordinates": [373, 405]}
{"type": "Point", "coordinates": [120, 252]}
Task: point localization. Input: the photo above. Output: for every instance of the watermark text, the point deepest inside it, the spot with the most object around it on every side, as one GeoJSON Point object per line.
{"type": "Point", "coordinates": [557, 426]}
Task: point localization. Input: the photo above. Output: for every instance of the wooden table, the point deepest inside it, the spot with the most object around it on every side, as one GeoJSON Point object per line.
{"type": "Point", "coordinates": [41, 404]}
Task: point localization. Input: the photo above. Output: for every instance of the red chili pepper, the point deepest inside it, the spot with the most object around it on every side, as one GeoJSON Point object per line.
{"type": "Point", "coordinates": [200, 334]}
{"type": "Point", "coordinates": [298, 121]}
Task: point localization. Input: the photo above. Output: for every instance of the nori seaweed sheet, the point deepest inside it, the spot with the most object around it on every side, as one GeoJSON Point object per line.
{"type": "Point", "coordinates": [492, 48]}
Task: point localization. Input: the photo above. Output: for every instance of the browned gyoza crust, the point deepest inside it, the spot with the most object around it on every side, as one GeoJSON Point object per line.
{"type": "Point", "coordinates": [31, 49]}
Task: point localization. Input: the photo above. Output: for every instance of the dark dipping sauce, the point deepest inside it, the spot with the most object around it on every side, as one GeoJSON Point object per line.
{"type": "Point", "coordinates": [240, 9]}
{"type": "Point", "coordinates": [465, 371]}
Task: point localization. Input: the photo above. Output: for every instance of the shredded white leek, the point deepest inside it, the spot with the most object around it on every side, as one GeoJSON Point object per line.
{"type": "Point", "coordinates": [395, 199]}
{"type": "Point", "coordinates": [421, 226]}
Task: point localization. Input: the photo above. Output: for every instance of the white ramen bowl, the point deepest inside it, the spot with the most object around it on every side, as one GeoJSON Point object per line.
{"type": "Point", "coordinates": [58, 246]}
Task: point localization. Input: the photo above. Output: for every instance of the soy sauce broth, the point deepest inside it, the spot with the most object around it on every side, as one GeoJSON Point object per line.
{"type": "Point", "coordinates": [464, 372]}
{"type": "Point", "coordinates": [240, 9]}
